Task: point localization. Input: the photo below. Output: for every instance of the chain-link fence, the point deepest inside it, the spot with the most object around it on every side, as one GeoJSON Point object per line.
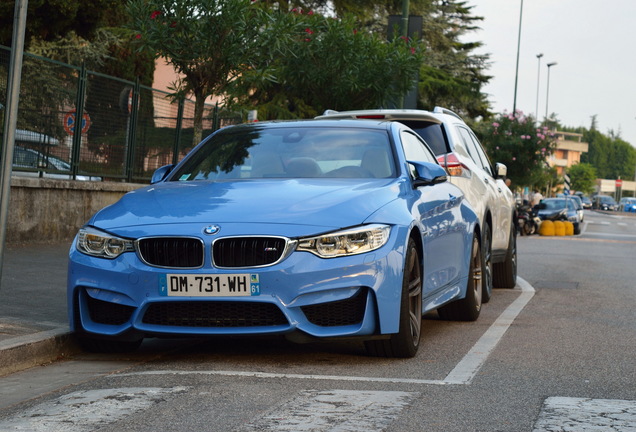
{"type": "Point", "coordinates": [75, 123]}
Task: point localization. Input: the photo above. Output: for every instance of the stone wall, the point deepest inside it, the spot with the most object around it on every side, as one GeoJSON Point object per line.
{"type": "Point", "coordinates": [50, 211]}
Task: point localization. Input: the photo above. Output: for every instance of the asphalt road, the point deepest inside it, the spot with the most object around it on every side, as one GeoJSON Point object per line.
{"type": "Point", "coordinates": [556, 353]}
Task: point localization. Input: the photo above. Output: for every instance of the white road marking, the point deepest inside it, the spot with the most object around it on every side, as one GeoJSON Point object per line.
{"type": "Point", "coordinates": [468, 367]}
{"type": "Point", "coordinates": [463, 373]}
{"type": "Point", "coordinates": [335, 410]}
{"type": "Point", "coordinates": [567, 414]}
{"type": "Point", "coordinates": [85, 411]}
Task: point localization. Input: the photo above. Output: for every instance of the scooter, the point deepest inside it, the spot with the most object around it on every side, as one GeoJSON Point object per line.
{"type": "Point", "coordinates": [527, 220]}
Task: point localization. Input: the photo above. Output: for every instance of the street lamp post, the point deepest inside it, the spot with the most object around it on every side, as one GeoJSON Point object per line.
{"type": "Point", "coordinates": [547, 94]}
{"type": "Point", "coordinates": [514, 104]}
{"type": "Point", "coordinates": [536, 110]}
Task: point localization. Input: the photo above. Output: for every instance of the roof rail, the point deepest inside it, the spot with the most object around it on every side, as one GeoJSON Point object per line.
{"type": "Point", "coordinates": [441, 110]}
{"type": "Point", "coordinates": [329, 112]}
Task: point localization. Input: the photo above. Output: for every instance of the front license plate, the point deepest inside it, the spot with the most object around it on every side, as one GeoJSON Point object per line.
{"type": "Point", "coordinates": [209, 285]}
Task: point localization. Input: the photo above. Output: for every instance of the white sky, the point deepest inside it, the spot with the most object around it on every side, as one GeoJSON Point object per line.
{"type": "Point", "coordinates": [594, 44]}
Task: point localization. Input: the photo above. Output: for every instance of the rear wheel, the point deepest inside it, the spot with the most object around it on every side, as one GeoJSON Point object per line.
{"type": "Point", "coordinates": [488, 266]}
{"type": "Point", "coordinates": [505, 273]}
{"type": "Point", "coordinates": [468, 308]}
{"type": "Point", "coordinates": [406, 342]}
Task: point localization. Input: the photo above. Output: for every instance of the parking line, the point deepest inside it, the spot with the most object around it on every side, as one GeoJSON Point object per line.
{"type": "Point", "coordinates": [462, 374]}
{"type": "Point", "coordinates": [468, 367]}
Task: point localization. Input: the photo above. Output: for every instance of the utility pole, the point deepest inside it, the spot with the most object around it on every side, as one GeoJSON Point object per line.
{"type": "Point", "coordinates": [405, 32]}
{"type": "Point", "coordinates": [514, 104]}
{"type": "Point", "coordinates": [11, 118]}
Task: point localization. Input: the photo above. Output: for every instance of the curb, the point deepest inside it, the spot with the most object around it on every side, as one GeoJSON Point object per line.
{"type": "Point", "coordinates": [23, 352]}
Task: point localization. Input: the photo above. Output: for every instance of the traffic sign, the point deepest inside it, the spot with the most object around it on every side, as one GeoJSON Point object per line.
{"type": "Point", "coordinates": [566, 184]}
{"type": "Point", "coordinates": [70, 122]}
{"type": "Point", "coordinates": [619, 183]}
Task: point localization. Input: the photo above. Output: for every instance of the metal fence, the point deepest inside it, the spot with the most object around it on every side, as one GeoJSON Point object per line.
{"type": "Point", "coordinates": [80, 124]}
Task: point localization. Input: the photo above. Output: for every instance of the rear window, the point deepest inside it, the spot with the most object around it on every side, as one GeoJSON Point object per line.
{"type": "Point", "coordinates": [431, 132]}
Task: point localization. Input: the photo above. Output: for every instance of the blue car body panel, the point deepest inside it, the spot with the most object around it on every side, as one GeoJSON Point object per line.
{"type": "Point", "coordinates": [301, 283]}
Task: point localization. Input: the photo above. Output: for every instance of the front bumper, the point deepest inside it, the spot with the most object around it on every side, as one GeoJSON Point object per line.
{"type": "Point", "coordinates": [340, 297]}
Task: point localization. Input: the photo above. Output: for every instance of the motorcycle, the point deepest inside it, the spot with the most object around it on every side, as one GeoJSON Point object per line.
{"type": "Point", "coordinates": [527, 220]}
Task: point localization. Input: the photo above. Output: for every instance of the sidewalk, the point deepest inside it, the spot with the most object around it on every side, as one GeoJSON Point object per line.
{"type": "Point", "coordinates": [33, 320]}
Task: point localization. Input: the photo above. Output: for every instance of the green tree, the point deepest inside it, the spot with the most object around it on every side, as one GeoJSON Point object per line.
{"type": "Point", "coordinates": [452, 73]}
{"type": "Point", "coordinates": [209, 42]}
{"type": "Point", "coordinates": [515, 141]}
{"type": "Point", "coordinates": [327, 64]}
{"type": "Point", "coordinates": [582, 177]}
{"type": "Point", "coordinates": [49, 20]}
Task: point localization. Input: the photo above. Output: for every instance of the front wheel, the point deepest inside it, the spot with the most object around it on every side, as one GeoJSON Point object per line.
{"type": "Point", "coordinates": [468, 308]}
{"type": "Point", "coordinates": [406, 342]}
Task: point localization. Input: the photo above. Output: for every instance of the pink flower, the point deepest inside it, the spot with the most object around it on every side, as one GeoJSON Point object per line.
{"type": "Point", "coordinates": [514, 158]}
{"type": "Point", "coordinates": [310, 13]}
{"type": "Point", "coordinates": [308, 31]}
{"type": "Point", "coordinates": [155, 14]}
{"type": "Point", "coordinates": [412, 50]}
{"type": "Point", "coordinates": [495, 125]}
{"type": "Point", "coordinates": [138, 36]}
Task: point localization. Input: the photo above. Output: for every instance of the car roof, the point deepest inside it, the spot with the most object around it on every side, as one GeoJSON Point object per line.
{"type": "Point", "coordinates": [438, 115]}
{"type": "Point", "coordinates": [335, 123]}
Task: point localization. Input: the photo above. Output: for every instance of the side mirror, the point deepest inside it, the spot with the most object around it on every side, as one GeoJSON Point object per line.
{"type": "Point", "coordinates": [501, 171]}
{"type": "Point", "coordinates": [161, 173]}
{"type": "Point", "coordinates": [427, 173]}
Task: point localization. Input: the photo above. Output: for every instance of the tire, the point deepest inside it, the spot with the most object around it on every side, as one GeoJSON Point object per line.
{"type": "Point", "coordinates": [528, 228]}
{"type": "Point", "coordinates": [405, 343]}
{"type": "Point", "coordinates": [505, 273]}
{"type": "Point", "coordinates": [468, 308]}
{"type": "Point", "coordinates": [487, 274]}
{"type": "Point", "coordinates": [577, 229]}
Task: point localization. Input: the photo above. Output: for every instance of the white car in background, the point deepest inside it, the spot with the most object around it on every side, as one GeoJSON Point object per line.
{"type": "Point", "coordinates": [460, 152]}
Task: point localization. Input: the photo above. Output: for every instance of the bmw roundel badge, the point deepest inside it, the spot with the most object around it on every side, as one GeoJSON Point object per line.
{"type": "Point", "coordinates": [211, 229]}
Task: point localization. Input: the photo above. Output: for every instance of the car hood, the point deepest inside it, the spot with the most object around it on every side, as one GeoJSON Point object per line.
{"type": "Point", "coordinates": [327, 203]}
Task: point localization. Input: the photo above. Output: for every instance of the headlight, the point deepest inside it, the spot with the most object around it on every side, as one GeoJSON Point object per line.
{"type": "Point", "coordinates": [100, 244]}
{"type": "Point", "coordinates": [348, 242]}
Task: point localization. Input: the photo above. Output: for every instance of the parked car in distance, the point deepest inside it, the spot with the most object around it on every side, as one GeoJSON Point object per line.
{"type": "Point", "coordinates": [604, 202]}
{"type": "Point", "coordinates": [31, 163]}
{"type": "Point", "coordinates": [460, 152]}
{"type": "Point", "coordinates": [587, 202]}
{"type": "Point", "coordinates": [627, 204]}
{"type": "Point", "coordinates": [310, 229]}
{"type": "Point", "coordinates": [579, 206]}
{"type": "Point", "coordinates": [548, 207]}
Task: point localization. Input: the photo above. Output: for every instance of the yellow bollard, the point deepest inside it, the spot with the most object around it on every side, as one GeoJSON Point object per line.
{"type": "Point", "coordinates": [546, 228]}
{"type": "Point", "coordinates": [559, 228]}
{"type": "Point", "coordinates": [569, 228]}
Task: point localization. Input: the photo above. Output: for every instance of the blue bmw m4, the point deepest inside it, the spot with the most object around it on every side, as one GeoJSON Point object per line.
{"type": "Point", "coordinates": [312, 229]}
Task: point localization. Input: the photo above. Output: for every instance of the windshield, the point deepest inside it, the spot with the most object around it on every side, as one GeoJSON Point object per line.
{"type": "Point", "coordinates": [259, 152]}
{"type": "Point", "coordinates": [559, 204]}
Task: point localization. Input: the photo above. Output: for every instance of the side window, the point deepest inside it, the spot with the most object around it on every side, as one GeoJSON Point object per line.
{"type": "Point", "coordinates": [475, 150]}
{"type": "Point", "coordinates": [482, 153]}
{"type": "Point", "coordinates": [415, 149]}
